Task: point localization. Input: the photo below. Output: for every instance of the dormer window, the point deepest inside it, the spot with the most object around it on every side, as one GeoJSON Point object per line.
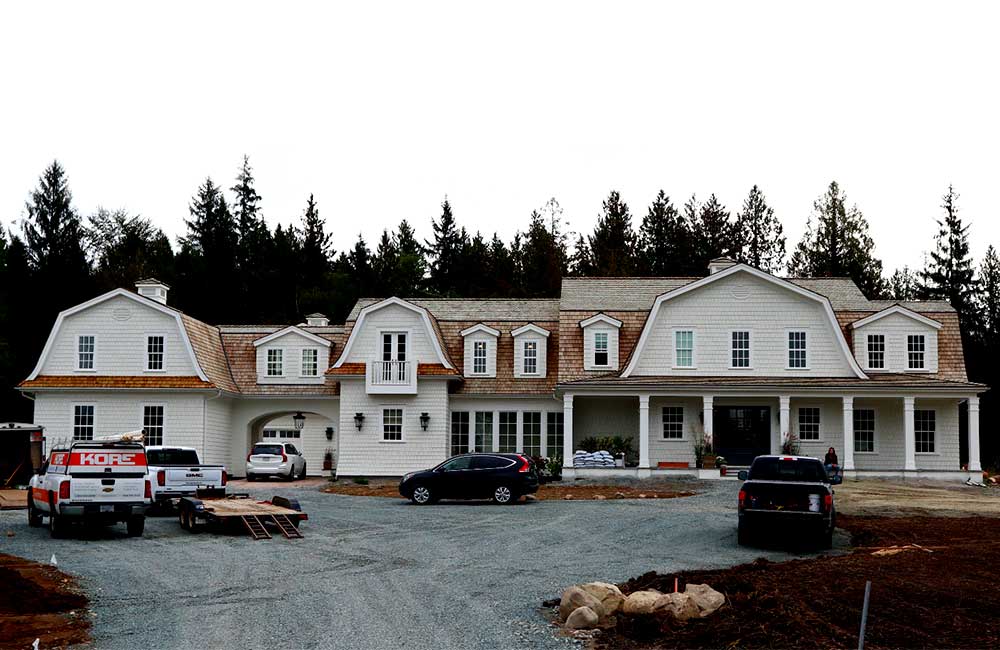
{"type": "Point", "coordinates": [529, 350]}
{"type": "Point", "coordinates": [530, 358]}
{"type": "Point", "coordinates": [154, 353]}
{"type": "Point", "coordinates": [85, 346]}
{"type": "Point", "coordinates": [600, 342]}
{"type": "Point", "coordinates": [876, 351]}
{"type": "Point", "coordinates": [600, 348]}
{"type": "Point", "coordinates": [310, 362]}
{"type": "Point", "coordinates": [479, 357]}
{"type": "Point", "coordinates": [916, 347]}
{"type": "Point", "coordinates": [275, 363]}
{"type": "Point", "coordinates": [480, 344]}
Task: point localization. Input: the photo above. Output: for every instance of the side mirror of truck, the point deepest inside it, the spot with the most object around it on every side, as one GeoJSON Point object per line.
{"type": "Point", "coordinates": [743, 475]}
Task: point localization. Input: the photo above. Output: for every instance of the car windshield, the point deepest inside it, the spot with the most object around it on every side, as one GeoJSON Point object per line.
{"type": "Point", "coordinates": [274, 450]}
{"type": "Point", "coordinates": [171, 457]}
{"type": "Point", "coordinates": [782, 469]}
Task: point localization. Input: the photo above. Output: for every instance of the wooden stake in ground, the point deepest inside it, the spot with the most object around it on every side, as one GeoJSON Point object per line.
{"type": "Point", "coordinates": [864, 615]}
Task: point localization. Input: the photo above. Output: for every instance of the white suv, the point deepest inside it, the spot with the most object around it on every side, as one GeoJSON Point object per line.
{"type": "Point", "coordinates": [275, 459]}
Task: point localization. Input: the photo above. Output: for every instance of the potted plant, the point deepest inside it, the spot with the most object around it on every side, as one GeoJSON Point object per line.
{"type": "Point", "coordinates": [720, 462]}
{"type": "Point", "coordinates": [554, 468]}
{"type": "Point", "coordinates": [708, 457]}
{"type": "Point", "coordinates": [328, 460]}
{"type": "Point", "coordinates": [620, 447]}
{"type": "Point", "coordinates": [790, 446]}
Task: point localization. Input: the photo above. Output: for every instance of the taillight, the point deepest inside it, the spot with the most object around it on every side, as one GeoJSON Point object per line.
{"type": "Point", "coordinates": [827, 502]}
{"type": "Point", "coordinates": [225, 478]}
{"type": "Point", "coordinates": [284, 456]}
{"type": "Point", "coordinates": [526, 466]}
{"type": "Point", "coordinates": [149, 489]}
{"type": "Point", "coordinates": [161, 477]}
{"type": "Point", "coordinates": [743, 498]}
{"type": "Point", "coordinates": [64, 489]}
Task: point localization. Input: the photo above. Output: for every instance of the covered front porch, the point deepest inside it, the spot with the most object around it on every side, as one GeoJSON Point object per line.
{"type": "Point", "coordinates": [915, 434]}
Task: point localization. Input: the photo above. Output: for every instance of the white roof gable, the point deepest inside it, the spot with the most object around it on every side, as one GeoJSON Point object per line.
{"type": "Point", "coordinates": [897, 309]}
{"type": "Point", "coordinates": [486, 329]}
{"type": "Point", "coordinates": [318, 340]}
{"type": "Point", "coordinates": [424, 317]}
{"type": "Point", "coordinates": [732, 270]}
{"type": "Point", "coordinates": [530, 327]}
{"type": "Point", "coordinates": [601, 318]}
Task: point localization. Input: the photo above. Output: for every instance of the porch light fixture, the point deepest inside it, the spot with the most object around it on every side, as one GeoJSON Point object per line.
{"type": "Point", "coordinates": [424, 420]}
{"type": "Point", "coordinates": [329, 433]}
{"type": "Point", "coordinates": [359, 419]}
{"type": "Point", "coordinates": [299, 421]}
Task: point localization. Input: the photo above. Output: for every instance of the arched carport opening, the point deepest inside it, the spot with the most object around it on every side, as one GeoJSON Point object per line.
{"type": "Point", "coordinates": [317, 438]}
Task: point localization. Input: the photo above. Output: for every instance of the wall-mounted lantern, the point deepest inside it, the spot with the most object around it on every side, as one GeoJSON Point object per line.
{"type": "Point", "coordinates": [299, 421]}
{"type": "Point", "coordinates": [424, 420]}
{"type": "Point", "coordinates": [359, 419]}
{"type": "Point", "coordinates": [329, 433]}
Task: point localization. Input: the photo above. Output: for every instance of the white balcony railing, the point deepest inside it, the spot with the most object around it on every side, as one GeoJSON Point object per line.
{"type": "Point", "coordinates": [390, 373]}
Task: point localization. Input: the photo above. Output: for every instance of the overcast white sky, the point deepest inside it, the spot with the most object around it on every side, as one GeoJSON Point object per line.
{"type": "Point", "coordinates": [381, 109]}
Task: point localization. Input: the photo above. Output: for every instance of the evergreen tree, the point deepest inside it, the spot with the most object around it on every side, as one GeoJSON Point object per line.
{"type": "Point", "coordinates": [359, 261]}
{"type": "Point", "coordinates": [989, 301]}
{"type": "Point", "coordinates": [126, 248]}
{"type": "Point", "coordinates": [580, 260]}
{"type": "Point", "coordinates": [837, 244]}
{"type": "Point", "coordinates": [715, 235]}
{"type": "Point", "coordinates": [543, 259]}
{"type": "Point", "coordinates": [411, 265]}
{"type": "Point", "coordinates": [445, 250]}
{"type": "Point", "coordinates": [948, 274]}
{"type": "Point", "coordinates": [21, 338]}
{"type": "Point", "coordinates": [290, 294]}
{"type": "Point", "coordinates": [612, 247]}
{"type": "Point", "coordinates": [501, 269]}
{"type": "Point", "coordinates": [664, 239]}
{"type": "Point", "coordinates": [759, 235]}
{"type": "Point", "coordinates": [386, 266]}
{"type": "Point", "coordinates": [903, 285]}
{"type": "Point", "coordinates": [254, 238]}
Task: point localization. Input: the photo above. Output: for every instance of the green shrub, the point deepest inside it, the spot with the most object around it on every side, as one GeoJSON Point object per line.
{"type": "Point", "coordinates": [360, 480]}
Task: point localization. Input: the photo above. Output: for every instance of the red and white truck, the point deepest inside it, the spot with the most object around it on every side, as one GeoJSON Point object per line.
{"type": "Point", "coordinates": [93, 481]}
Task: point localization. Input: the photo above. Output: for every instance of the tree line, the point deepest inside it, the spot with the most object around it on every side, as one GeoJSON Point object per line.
{"type": "Point", "coordinates": [230, 267]}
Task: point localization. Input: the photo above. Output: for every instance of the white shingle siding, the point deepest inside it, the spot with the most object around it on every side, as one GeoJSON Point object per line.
{"type": "Point", "coordinates": [218, 433]}
{"type": "Point", "coordinates": [364, 452]}
{"type": "Point", "coordinates": [673, 450]}
{"type": "Point", "coordinates": [120, 327]}
{"type": "Point", "coordinates": [831, 425]}
{"type": "Point", "coordinates": [588, 346]}
{"type": "Point", "coordinates": [491, 354]}
{"type": "Point", "coordinates": [895, 328]}
{"type": "Point", "coordinates": [889, 436]}
{"type": "Point", "coordinates": [292, 345]}
{"type": "Point", "coordinates": [367, 345]}
{"type": "Point", "coordinates": [541, 343]}
{"type": "Point", "coordinates": [740, 302]}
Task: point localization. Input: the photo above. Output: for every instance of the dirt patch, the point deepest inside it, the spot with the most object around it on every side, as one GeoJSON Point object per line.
{"type": "Point", "coordinates": [38, 601]}
{"type": "Point", "coordinates": [881, 498]}
{"type": "Point", "coordinates": [939, 594]}
{"type": "Point", "coordinates": [550, 491]}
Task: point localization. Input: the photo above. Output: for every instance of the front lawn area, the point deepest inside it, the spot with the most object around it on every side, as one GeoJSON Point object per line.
{"type": "Point", "coordinates": [581, 490]}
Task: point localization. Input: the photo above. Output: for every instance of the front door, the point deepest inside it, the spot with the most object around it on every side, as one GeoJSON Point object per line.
{"type": "Point", "coordinates": [741, 433]}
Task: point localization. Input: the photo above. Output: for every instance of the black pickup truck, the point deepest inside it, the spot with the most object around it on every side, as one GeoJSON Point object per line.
{"type": "Point", "coordinates": [793, 494]}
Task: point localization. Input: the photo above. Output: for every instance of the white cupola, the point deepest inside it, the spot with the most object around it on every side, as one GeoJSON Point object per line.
{"type": "Point", "coordinates": [153, 289]}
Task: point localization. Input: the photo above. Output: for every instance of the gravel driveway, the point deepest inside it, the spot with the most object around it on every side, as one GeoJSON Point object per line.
{"type": "Point", "coordinates": [380, 573]}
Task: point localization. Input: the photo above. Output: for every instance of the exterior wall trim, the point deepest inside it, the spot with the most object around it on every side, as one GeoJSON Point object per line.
{"type": "Point", "coordinates": [601, 318]}
{"type": "Point", "coordinates": [896, 309]}
{"type": "Point", "coordinates": [318, 340]}
{"type": "Point", "coordinates": [480, 327]}
{"type": "Point", "coordinates": [530, 327]}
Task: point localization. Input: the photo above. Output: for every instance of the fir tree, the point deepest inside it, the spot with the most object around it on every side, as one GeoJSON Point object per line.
{"type": "Point", "coordinates": [948, 274]}
{"type": "Point", "coordinates": [759, 235]}
{"type": "Point", "coordinates": [542, 259]}
{"type": "Point", "coordinates": [612, 247]}
{"type": "Point", "coordinates": [411, 265]}
{"type": "Point", "coordinates": [207, 254]}
{"type": "Point", "coordinates": [664, 239]}
{"type": "Point", "coordinates": [254, 239]}
{"type": "Point", "coordinates": [445, 250]}
{"type": "Point", "coordinates": [837, 244]}
{"type": "Point", "coordinates": [385, 266]}
{"type": "Point", "coordinates": [903, 285]}
{"type": "Point", "coordinates": [715, 235]}
{"type": "Point", "coordinates": [988, 302]}
{"type": "Point", "coordinates": [501, 269]}
{"type": "Point", "coordinates": [126, 248]}
{"type": "Point", "coordinates": [315, 243]}
{"type": "Point", "coordinates": [580, 260]}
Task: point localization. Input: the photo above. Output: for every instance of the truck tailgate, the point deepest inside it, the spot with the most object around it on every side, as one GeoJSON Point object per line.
{"type": "Point", "coordinates": [107, 490]}
{"type": "Point", "coordinates": [193, 476]}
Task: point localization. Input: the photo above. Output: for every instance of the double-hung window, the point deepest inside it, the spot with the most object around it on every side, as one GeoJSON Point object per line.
{"type": "Point", "coordinates": [484, 431]}
{"type": "Point", "coordinates": [876, 351]}
{"type": "Point", "coordinates": [275, 363]}
{"type": "Point", "coordinates": [809, 422]}
{"type": "Point", "coordinates": [673, 422]}
{"type": "Point", "coordinates": [741, 349]}
{"type": "Point", "coordinates": [479, 357]}
{"type": "Point", "coordinates": [459, 432]}
{"type": "Point", "coordinates": [85, 346]}
{"type": "Point", "coordinates": [154, 353]}
{"type": "Point", "coordinates": [797, 350]}
{"type": "Point", "coordinates": [310, 362]}
{"type": "Point", "coordinates": [916, 346]}
{"type": "Point", "coordinates": [601, 349]}
{"type": "Point", "coordinates": [684, 348]}
{"type": "Point", "coordinates": [152, 424]}
{"type": "Point", "coordinates": [83, 422]}
{"type": "Point", "coordinates": [864, 430]}
{"type": "Point", "coordinates": [392, 424]}
{"type": "Point", "coordinates": [554, 434]}
{"type": "Point", "coordinates": [924, 428]}
{"type": "Point", "coordinates": [532, 435]}
{"type": "Point", "coordinates": [530, 358]}
{"type": "Point", "coordinates": [508, 432]}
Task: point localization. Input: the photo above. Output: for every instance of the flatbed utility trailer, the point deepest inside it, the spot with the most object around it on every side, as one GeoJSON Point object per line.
{"type": "Point", "coordinates": [242, 512]}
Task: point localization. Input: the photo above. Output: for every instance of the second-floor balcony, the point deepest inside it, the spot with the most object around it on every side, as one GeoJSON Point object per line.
{"type": "Point", "coordinates": [391, 377]}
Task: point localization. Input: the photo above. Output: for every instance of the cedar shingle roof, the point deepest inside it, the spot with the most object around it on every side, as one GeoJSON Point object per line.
{"type": "Point", "coordinates": [242, 357]}
{"type": "Point", "coordinates": [115, 381]}
{"type": "Point", "coordinates": [207, 344]}
{"type": "Point", "coordinates": [477, 309]}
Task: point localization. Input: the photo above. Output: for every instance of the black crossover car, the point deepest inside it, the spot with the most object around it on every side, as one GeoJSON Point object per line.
{"type": "Point", "coordinates": [502, 477]}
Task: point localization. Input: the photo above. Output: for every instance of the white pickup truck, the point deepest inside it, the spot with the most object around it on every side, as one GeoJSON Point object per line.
{"type": "Point", "coordinates": [103, 481]}
{"type": "Point", "coordinates": [176, 472]}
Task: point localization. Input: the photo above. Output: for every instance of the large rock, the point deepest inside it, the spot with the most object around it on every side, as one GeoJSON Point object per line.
{"type": "Point", "coordinates": [707, 599]}
{"type": "Point", "coordinates": [610, 595]}
{"type": "Point", "coordinates": [641, 602]}
{"type": "Point", "coordinates": [573, 598]}
{"type": "Point", "coordinates": [582, 618]}
{"type": "Point", "coordinates": [680, 606]}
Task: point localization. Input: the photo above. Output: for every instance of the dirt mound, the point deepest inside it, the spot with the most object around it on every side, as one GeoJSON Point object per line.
{"type": "Point", "coordinates": [40, 602]}
{"type": "Point", "coordinates": [942, 599]}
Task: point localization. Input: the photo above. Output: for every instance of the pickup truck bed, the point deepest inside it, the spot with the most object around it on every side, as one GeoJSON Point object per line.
{"type": "Point", "coordinates": [176, 472]}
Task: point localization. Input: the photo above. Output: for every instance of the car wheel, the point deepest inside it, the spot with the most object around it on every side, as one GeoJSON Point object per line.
{"type": "Point", "coordinates": [135, 525]}
{"type": "Point", "coordinates": [34, 517]}
{"type": "Point", "coordinates": [291, 473]}
{"type": "Point", "coordinates": [421, 495]}
{"type": "Point", "coordinates": [182, 518]}
{"type": "Point", "coordinates": [57, 528]}
{"type": "Point", "coordinates": [302, 474]}
{"type": "Point", "coordinates": [251, 478]}
{"type": "Point", "coordinates": [503, 495]}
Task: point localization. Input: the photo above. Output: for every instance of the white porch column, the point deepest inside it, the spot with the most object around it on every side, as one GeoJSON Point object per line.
{"type": "Point", "coordinates": [520, 433]}
{"type": "Point", "coordinates": [568, 431]}
{"type": "Point", "coordinates": [643, 431]}
{"type": "Point", "coordinates": [496, 431]}
{"type": "Point", "coordinates": [974, 462]}
{"type": "Point", "coordinates": [784, 416]}
{"type": "Point", "coordinates": [909, 435]}
{"type": "Point", "coordinates": [707, 419]}
{"type": "Point", "coordinates": [848, 432]}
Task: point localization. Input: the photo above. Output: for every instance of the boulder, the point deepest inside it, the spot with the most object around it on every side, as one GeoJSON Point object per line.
{"type": "Point", "coordinates": [582, 618]}
{"type": "Point", "coordinates": [680, 606]}
{"type": "Point", "coordinates": [641, 602]}
{"type": "Point", "coordinates": [573, 598]}
{"type": "Point", "coordinates": [610, 595]}
{"type": "Point", "coordinates": [707, 599]}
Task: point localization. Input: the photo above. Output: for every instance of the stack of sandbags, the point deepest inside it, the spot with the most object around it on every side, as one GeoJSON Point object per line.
{"type": "Point", "coordinates": [595, 459]}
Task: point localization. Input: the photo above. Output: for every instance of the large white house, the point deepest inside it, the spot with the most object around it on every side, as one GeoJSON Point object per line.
{"type": "Point", "coordinates": [739, 356]}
